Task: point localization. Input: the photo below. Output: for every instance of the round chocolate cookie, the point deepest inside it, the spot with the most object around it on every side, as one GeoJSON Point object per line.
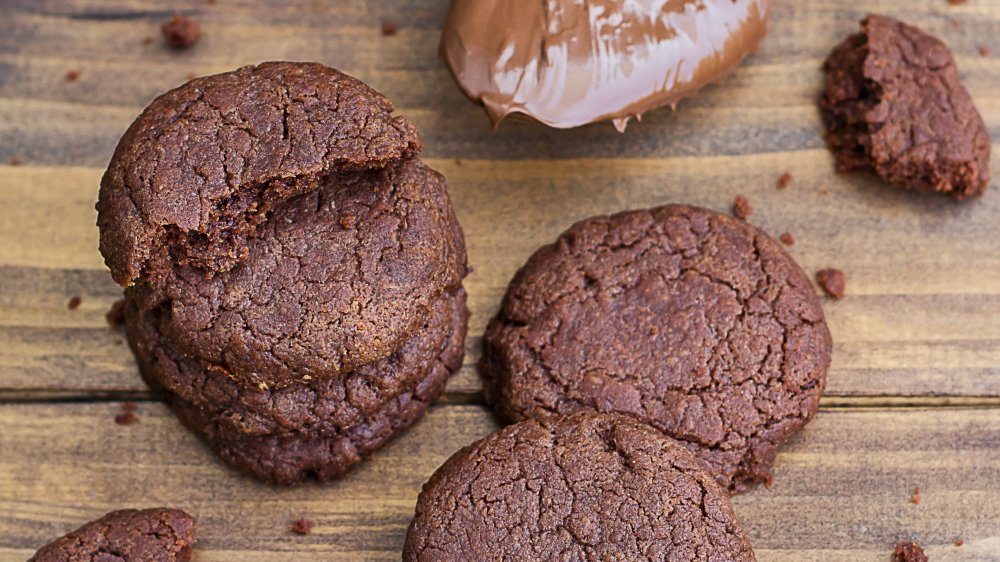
{"type": "Point", "coordinates": [335, 279]}
{"type": "Point", "coordinates": [583, 487]}
{"type": "Point", "coordinates": [128, 535]}
{"type": "Point", "coordinates": [321, 406]}
{"type": "Point", "coordinates": [694, 322]}
{"type": "Point", "coordinates": [317, 429]}
{"type": "Point", "coordinates": [205, 163]}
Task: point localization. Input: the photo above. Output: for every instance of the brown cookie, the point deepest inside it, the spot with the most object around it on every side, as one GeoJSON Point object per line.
{"type": "Point", "coordinates": [318, 429]}
{"type": "Point", "coordinates": [321, 406]}
{"type": "Point", "coordinates": [894, 104]}
{"type": "Point", "coordinates": [584, 487]}
{"type": "Point", "coordinates": [694, 322]}
{"type": "Point", "coordinates": [335, 279]}
{"type": "Point", "coordinates": [205, 163]}
{"type": "Point", "coordinates": [128, 535]}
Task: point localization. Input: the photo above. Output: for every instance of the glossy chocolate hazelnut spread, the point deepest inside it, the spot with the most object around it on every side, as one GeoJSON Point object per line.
{"type": "Point", "coordinates": [570, 62]}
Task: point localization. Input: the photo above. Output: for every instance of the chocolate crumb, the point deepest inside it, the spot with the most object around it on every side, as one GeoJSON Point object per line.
{"type": "Point", "coordinates": [119, 341]}
{"type": "Point", "coordinates": [129, 406]}
{"type": "Point", "coordinates": [74, 303]}
{"type": "Point", "coordinates": [181, 31]}
{"type": "Point", "coordinates": [787, 239]}
{"type": "Point", "coordinates": [72, 75]}
{"type": "Point", "coordinates": [388, 27]}
{"type": "Point", "coordinates": [784, 180]}
{"type": "Point", "coordinates": [147, 40]}
{"type": "Point", "coordinates": [909, 552]}
{"type": "Point", "coordinates": [959, 541]}
{"type": "Point", "coordinates": [116, 314]}
{"type": "Point", "coordinates": [126, 418]}
{"type": "Point", "coordinates": [915, 498]}
{"type": "Point", "coordinates": [741, 207]}
{"type": "Point", "coordinates": [301, 526]}
{"type": "Point", "coordinates": [15, 162]}
{"type": "Point", "coordinates": [833, 281]}
{"type": "Point", "coordinates": [984, 51]}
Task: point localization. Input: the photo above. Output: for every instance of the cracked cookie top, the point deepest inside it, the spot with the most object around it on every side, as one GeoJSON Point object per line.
{"type": "Point", "coordinates": [894, 104]}
{"type": "Point", "coordinates": [694, 322]}
{"type": "Point", "coordinates": [206, 163]}
{"type": "Point", "coordinates": [337, 278]}
{"type": "Point", "coordinates": [584, 487]}
{"type": "Point", "coordinates": [128, 535]}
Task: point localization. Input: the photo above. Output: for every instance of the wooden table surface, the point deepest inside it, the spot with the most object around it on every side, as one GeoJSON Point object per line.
{"type": "Point", "coordinates": [914, 390]}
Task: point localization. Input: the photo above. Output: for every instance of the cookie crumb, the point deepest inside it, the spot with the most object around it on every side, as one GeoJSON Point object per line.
{"type": "Point", "coordinates": [915, 498]}
{"type": "Point", "coordinates": [741, 208]}
{"type": "Point", "coordinates": [301, 526]}
{"type": "Point", "coordinates": [787, 239]}
{"type": "Point", "coordinates": [126, 418]}
{"type": "Point", "coordinates": [74, 302]}
{"type": "Point", "coordinates": [388, 27]}
{"type": "Point", "coordinates": [833, 281]}
{"type": "Point", "coordinates": [348, 221]}
{"type": "Point", "coordinates": [72, 75]}
{"type": "Point", "coordinates": [909, 552]}
{"type": "Point", "coordinates": [15, 162]}
{"type": "Point", "coordinates": [458, 161]}
{"type": "Point", "coordinates": [784, 180]}
{"type": "Point", "coordinates": [129, 406]}
{"type": "Point", "coordinates": [116, 314]}
{"type": "Point", "coordinates": [181, 31]}
{"type": "Point", "coordinates": [959, 541]}
{"type": "Point", "coordinates": [119, 341]}
{"type": "Point", "coordinates": [147, 40]}
{"type": "Point", "coordinates": [984, 51]}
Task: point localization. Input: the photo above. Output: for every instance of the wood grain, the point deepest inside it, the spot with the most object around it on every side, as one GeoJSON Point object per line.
{"type": "Point", "coordinates": [64, 464]}
{"type": "Point", "coordinates": [920, 326]}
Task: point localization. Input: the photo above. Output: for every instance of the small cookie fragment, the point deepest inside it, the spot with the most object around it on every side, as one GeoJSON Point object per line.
{"type": "Point", "coordinates": [894, 105]}
{"type": "Point", "coordinates": [128, 535]}
{"type": "Point", "coordinates": [784, 181]}
{"type": "Point", "coordinates": [984, 51]}
{"type": "Point", "coordinates": [72, 75]}
{"type": "Point", "coordinates": [787, 239]}
{"type": "Point", "coordinates": [388, 27]}
{"type": "Point", "coordinates": [581, 487]}
{"type": "Point", "coordinates": [915, 497]}
{"type": "Point", "coordinates": [181, 31]}
{"type": "Point", "coordinates": [909, 552]}
{"type": "Point", "coordinates": [301, 526]}
{"type": "Point", "coordinates": [741, 207]}
{"type": "Point", "coordinates": [74, 302]}
{"type": "Point", "coordinates": [959, 541]}
{"type": "Point", "coordinates": [832, 281]}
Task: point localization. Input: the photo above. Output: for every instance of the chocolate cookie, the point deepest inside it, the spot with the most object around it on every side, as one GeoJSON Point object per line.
{"type": "Point", "coordinates": [129, 535]}
{"type": "Point", "coordinates": [316, 429]}
{"type": "Point", "coordinates": [584, 487]}
{"type": "Point", "coordinates": [893, 104]}
{"type": "Point", "coordinates": [335, 279]}
{"type": "Point", "coordinates": [694, 322]}
{"type": "Point", "coordinates": [321, 406]}
{"type": "Point", "coordinates": [205, 163]}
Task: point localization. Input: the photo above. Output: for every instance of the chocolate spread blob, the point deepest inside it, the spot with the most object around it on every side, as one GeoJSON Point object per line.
{"type": "Point", "coordinates": [566, 63]}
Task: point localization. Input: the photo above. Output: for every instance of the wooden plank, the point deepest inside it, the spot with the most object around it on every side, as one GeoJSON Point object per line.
{"type": "Point", "coordinates": [920, 319]}
{"type": "Point", "coordinates": [841, 492]}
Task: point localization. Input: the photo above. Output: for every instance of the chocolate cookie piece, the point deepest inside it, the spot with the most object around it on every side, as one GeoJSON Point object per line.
{"type": "Point", "coordinates": [336, 278]}
{"type": "Point", "coordinates": [323, 439]}
{"type": "Point", "coordinates": [128, 535]}
{"type": "Point", "coordinates": [694, 322]}
{"type": "Point", "coordinates": [205, 163]}
{"type": "Point", "coordinates": [323, 406]}
{"type": "Point", "coordinates": [584, 487]}
{"type": "Point", "coordinates": [893, 104]}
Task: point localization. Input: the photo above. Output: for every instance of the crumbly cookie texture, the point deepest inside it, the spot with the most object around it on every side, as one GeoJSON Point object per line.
{"type": "Point", "coordinates": [894, 105]}
{"type": "Point", "coordinates": [583, 487]}
{"type": "Point", "coordinates": [694, 322]}
{"type": "Point", "coordinates": [205, 163]}
{"type": "Point", "coordinates": [128, 535]}
{"type": "Point", "coordinates": [336, 279]}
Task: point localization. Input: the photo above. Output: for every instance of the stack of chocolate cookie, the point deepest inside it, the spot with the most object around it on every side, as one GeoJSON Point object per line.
{"type": "Point", "coordinates": [293, 272]}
